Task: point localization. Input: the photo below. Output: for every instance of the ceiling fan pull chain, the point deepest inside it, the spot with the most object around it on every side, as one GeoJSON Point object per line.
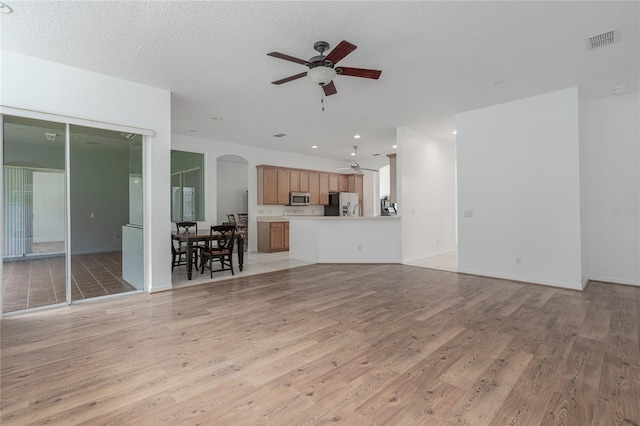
{"type": "Point", "coordinates": [322, 99]}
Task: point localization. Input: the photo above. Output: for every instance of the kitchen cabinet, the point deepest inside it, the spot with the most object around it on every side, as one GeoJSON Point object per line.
{"type": "Point", "coordinates": [273, 236]}
{"type": "Point", "coordinates": [356, 185]}
{"type": "Point", "coordinates": [267, 185]}
{"type": "Point", "coordinates": [294, 180]}
{"type": "Point", "coordinates": [343, 183]}
{"type": "Point", "coordinates": [314, 188]}
{"type": "Point", "coordinates": [283, 187]}
{"type": "Point", "coordinates": [304, 181]}
{"type": "Point", "coordinates": [276, 183]}
{"type": "Point", "coordinates": [324, 189]}
{"type": "Point", "coordinates": [334, 185]}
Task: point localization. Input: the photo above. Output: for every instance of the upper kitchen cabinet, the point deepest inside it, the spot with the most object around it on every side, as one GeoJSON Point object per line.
{"type": "Point", "coordinates": [294, 181]}
{"type": "Point", "coordinates": [343, 183]}
{"type": "Point", "coordinates": [314, 188]}
{"type": "Point", "coordinates": [324, 189]}
{"type": "Point", "coordinates": [334, 182]}
{"type": "Point", "coordinates": [284, 176]}
{"type": "Point", "coordinates": [304, 181]}
{"type": "Point", "coordinates": [267, 185]}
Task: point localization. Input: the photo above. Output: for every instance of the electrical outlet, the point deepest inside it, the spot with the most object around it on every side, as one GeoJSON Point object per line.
{"type": "Point", "coordinates": [437, 242]}
{"type": "Point", "coordinates": [518, 261]}
{"type": "Point", "coordinates": [359, 248]}
{"type": "Point", "coordinates": [468, 213]}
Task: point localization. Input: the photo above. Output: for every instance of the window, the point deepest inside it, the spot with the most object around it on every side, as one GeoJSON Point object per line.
{"type": "Point", "coordinates": [187, 186]}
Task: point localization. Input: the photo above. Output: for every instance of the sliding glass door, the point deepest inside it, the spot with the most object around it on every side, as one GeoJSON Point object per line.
{"type": "Point", "coordinates": [34, 253]}
{"type": "Point", "coordinates": [72, 228]}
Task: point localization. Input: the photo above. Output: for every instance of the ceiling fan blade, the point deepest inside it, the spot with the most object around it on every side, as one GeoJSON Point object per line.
{"type": "Point", "coordinates": [360, 72]}
{"type": "Point", "coordinates": [287, 57]}
{"type": "Point", "coordinates": [329, 89]}
{"type": "Point", "coordinates": [293, 77]}
{"type": "Point", "coordinates": [340, 51]}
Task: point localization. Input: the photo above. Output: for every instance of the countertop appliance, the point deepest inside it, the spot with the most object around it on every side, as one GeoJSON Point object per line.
{"type": "Point", "coordinates": [342, 204]}
{"type": "Point", "coordinates": [299, 198]}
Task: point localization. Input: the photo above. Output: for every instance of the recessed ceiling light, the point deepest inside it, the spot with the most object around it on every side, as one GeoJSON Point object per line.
{"type": "Point", "coordinates": [455, 132]}
{"type": "Point", "coordinates": [394, 146]}
{"type": "Point", "coordinates": [356, 136]}
{"type": "Point", "coordinates": [314, 146]}
{"type": "Point", "coordinates": [4, 8]}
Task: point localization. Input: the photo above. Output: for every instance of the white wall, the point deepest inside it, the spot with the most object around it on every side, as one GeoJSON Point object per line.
{"type": "Point", "coordinates": [232, 181]}
{"type": "Point", "coordinates": [518, 172]}
{"type": "Point", "coordinates": [32, 84]}
{"type": "Point", "coordinates": [255, 156]}
{"type": "Point", "coordinates": [610, 148]}
{"type": "Point", "coordinates": [426, 195]}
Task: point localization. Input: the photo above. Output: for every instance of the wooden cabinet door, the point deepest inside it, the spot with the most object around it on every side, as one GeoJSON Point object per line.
{"type": "Point", "coordinates": [324, 188]}
{"type": "Point", "coordinates": [267, 186]}
{"type": "Point", "coordinates": [286, 235]}
{"type": "Point", "coordinates": [294, 180]}
{"type": "Point", "coordinates": [276, 236]}
{"type": "Point", "coordinates": [334, 185]}
{"type": "Point", "coordinates": [304, 181]}
{"type": "Point", "coordinates": [283, 187]}
{"type": "Point", "coordinates": [343, 183]}
{"type": "Point", "coordinates": [314, 188]}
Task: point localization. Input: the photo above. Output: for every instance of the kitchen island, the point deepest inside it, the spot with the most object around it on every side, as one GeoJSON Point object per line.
{"type": "Point", "coordinates": [339, 239]}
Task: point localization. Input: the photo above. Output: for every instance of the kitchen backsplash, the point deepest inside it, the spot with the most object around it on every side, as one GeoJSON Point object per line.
{"type": "Point", "coordinates": [290, 211]}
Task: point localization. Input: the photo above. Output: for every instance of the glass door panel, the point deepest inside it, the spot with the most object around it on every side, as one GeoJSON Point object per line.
{"type": "Point", "coordinates": [106, 212]}
{"type": "Point", "coordinates": [34, 262]}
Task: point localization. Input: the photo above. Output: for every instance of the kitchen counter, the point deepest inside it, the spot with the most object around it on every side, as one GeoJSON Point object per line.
{"type": "Point", "coordinates": [267, 219]}
{"type": "Point", "coordinates": [345, 217]}
{"type": "Point", "coordinates": [346, 239]}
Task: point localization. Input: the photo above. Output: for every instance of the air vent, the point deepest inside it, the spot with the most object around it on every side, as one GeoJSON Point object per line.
{"type": "Point", "coordinates": [374, 155]}
{"type": "Point", "coordinates": [128, 136]}
{"type": "Point", "coordinates": [279, 135]}
{"type": "Point", "coordinates": [603, 39]}
{"type": "Point", "coordinates": [50, 136]}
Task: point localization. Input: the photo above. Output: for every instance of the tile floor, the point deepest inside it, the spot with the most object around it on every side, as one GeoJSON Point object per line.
{"type": "Point", "coordinates": [443, 262]}
{"type": "Point", "coordinates": [254, 263]}
{"type": "Point", "coordinates": [40, 281]}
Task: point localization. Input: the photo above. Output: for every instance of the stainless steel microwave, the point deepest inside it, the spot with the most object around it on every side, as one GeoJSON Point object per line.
{"type": "Point", "coordinates": [299, 198]}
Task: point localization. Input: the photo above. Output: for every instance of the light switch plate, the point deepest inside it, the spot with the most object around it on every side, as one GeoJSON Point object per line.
{"type": "Point", "coordinates": [468, 213]}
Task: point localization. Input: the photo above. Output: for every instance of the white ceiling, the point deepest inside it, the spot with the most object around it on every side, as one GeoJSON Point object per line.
{"type": "Point", "coordinates": [437, 59]}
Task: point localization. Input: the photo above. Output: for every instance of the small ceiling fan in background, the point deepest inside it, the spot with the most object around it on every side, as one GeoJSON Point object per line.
{"type": "Point", "coordinates": [355, 166]}
{"type": "Point", "coordinates": [322, 69]}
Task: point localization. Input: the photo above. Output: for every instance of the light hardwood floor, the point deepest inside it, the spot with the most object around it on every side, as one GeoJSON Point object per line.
{"type": "Point", "coordinates": [321, 344]}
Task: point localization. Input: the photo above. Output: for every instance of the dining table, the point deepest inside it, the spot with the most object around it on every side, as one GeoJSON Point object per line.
{"type": "Point", "coordinates": [191, 237]}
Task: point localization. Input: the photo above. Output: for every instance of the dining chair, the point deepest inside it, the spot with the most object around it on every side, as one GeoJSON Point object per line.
{"type": "Point", "coordinates": [186, 226]}
{"type": "Point", "coordinates": [231, 218]}
{"type": "Point", "coordinates": [225, 237]}
{"type": "Point", "coordinates": [179, 255]}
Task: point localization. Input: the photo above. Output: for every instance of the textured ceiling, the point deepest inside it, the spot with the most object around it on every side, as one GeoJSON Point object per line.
{"type": "Point", "coordinates": [437, 59]}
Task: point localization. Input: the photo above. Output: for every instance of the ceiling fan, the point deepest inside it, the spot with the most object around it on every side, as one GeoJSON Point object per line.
{"type": "Point", "coordinates": [322, 69]}
{"type": "Point", "coordinates": [355, 166]}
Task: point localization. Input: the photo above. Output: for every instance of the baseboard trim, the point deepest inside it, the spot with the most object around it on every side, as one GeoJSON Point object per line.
{"type": "Point", "coordinates": [521, 279]}
{"type": "Point", "coordinates": [610, 280]}
{"type": "Point", "coordinates": [428, 256]}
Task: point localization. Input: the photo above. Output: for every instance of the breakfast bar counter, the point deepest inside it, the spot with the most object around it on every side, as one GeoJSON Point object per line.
{"type": "Point", "coordinates": [350, 239]}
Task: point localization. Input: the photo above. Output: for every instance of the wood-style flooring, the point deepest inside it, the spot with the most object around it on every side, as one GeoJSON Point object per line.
{"type": "Point", "coordinates": [331, 344]}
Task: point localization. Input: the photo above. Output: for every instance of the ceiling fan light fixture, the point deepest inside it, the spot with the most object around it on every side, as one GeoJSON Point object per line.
{"type": "Point", "coordinates": [321, 75]}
